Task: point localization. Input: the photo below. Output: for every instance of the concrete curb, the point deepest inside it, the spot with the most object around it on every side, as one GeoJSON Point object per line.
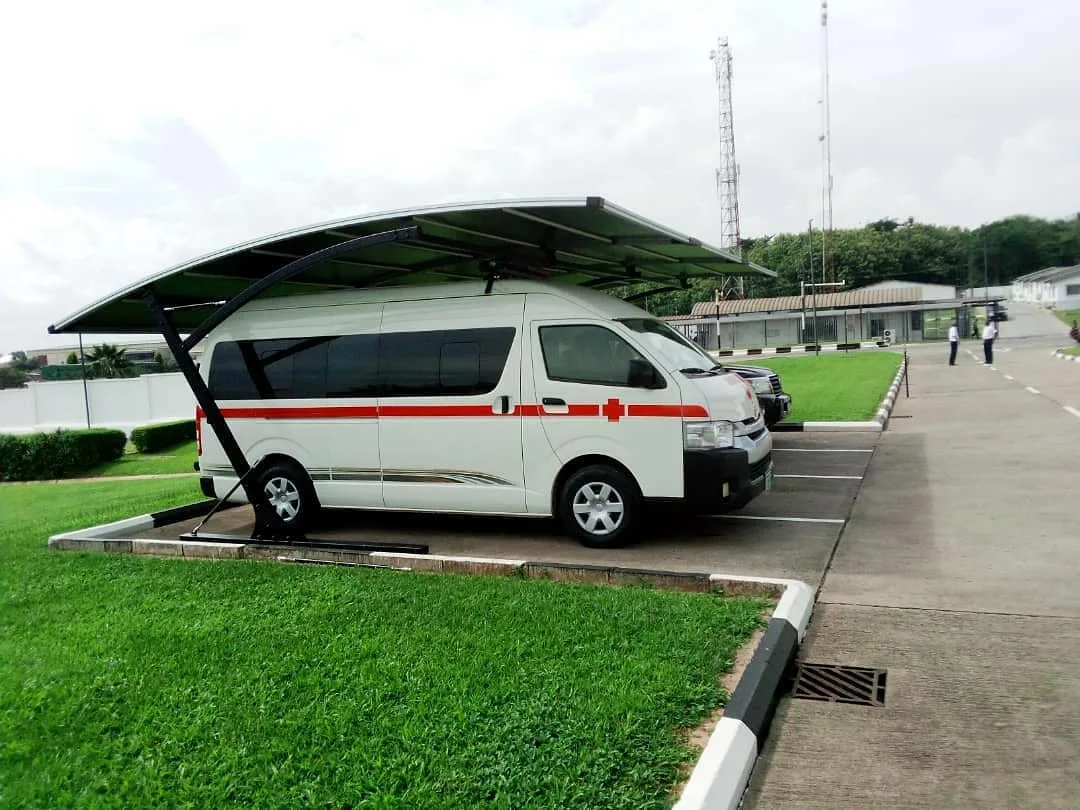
{"type": "Point", "coordinates": [803, 348]}
{"type": "Point", "coordinates": [879, 423]}
{"type": "Point", "coordinates": [1060, 355]}
{"type": "Point", "coordinates": [722, 772]}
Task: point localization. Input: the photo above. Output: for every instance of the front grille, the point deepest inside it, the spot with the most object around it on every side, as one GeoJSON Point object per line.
{"type": "Point", "coordinates": [760, 468]}
{"type": "Point", "coordinates": [775, 381]}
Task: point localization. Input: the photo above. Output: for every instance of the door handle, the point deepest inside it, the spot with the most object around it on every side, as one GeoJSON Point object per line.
{"type": "Point", "coordinates": [554, 402]}
{"type": "Point", "coordinates": [504, 404]}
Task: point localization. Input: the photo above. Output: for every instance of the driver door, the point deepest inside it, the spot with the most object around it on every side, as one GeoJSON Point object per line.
{"type": "Point", "coordinates": [587, 406]}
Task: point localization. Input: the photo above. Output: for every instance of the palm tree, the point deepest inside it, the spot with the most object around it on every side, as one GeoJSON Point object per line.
{"type": "Point", "coordinates": [110, 361]}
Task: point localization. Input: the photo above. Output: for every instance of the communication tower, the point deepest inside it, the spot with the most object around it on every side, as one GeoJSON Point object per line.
{"type": "Point", "coordinates": [727, 175]}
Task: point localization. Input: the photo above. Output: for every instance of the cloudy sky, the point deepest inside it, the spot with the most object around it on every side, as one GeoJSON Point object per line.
{"type": "Point", "coordinates": [137, 135]}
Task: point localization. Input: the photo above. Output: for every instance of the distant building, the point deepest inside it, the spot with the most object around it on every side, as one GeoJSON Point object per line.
{"type": "Point", "coordinates": [1051, 287]}
{"type": "Point", "coordinates": [903, 312]}
{"type": "Point", "coordinates": [142, 351]}
{"type": "Point", "coordinates": [927, 292]}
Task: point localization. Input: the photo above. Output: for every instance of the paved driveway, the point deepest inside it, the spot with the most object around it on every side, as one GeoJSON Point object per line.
{"type": "Point", "coordinates": [957, 574]}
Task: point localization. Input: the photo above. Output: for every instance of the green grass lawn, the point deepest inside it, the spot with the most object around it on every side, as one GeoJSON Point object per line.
{"type": "Point", "coordinates": [178, 459]}
{"type": "Point", "coordinates": [1073, 350]}
{"type": "Point", "coordinates": [834, 386]}
{"type": "Point", "coordinates": [130, 681]}
{"type": "Point", "coordinates": [1067, 316]}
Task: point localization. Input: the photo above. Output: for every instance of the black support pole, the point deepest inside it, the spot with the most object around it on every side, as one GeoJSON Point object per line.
{"type": "Point", "coordinates": [85, 392]}
{"type": "Point", "coordinates": [214, 417]}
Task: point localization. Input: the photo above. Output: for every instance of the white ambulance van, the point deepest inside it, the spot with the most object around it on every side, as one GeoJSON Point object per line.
{"type": "Point", "coordinates": [528, 398]}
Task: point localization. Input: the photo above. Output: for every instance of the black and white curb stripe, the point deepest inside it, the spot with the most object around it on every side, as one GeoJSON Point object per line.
{"type": "Point", "coordinates": [1060, 355]}
{"type": "Point", "coordinates": [879, 422]}
{"type": "Point", "coordinates": [723, 771]}
{"type": "Point", "coordinates": [804, 348]}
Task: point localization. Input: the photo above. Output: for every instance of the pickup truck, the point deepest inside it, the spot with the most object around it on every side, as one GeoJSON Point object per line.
{"type": "Point", "coordinates": [769, 390]}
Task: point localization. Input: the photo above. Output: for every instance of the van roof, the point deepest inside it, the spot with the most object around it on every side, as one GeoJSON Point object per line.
{"type": "Point", "coordinates": [579, 240]}
{"type": "Point", "coordinates": [597, 301]}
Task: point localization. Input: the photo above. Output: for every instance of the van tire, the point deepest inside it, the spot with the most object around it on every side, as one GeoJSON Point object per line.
{"type": "Point", "coordinates": [615, 501]}
{"type": "Point", "coordinates": [294, 503]}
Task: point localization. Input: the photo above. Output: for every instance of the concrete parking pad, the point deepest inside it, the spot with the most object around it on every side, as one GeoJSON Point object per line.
{"type": "Point", "coordinates": [776, 543]}
{"type": "Point", "coordinates": [957, 574]}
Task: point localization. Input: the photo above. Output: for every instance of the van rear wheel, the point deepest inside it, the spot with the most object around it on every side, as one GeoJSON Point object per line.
{"type": "Point", "coordinates": [293, 503]}
{"type": "Point", "coordinates": [600, 506]}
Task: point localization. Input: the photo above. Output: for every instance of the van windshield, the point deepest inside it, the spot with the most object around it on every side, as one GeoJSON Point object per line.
{"type": "Point", "coordinates": [678, 352]}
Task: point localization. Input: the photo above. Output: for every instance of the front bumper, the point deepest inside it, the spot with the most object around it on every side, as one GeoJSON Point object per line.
{"type": "Point", "coordinates": [717, 481]}
{"type": "Point", "coordinates": [775, 406]}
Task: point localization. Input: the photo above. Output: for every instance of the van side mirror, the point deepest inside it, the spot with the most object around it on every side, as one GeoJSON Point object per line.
{"type": "Point", "coordinates": [643, 375]}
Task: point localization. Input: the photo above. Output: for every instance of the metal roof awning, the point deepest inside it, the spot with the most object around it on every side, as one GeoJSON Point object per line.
{"type": "Point", "coordinates": [584, 241]}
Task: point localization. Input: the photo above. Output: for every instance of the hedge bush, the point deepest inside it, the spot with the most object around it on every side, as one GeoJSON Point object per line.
{"type": "Point", "coordinates": [151, 438]}
{"type": "Point", "coordinates": [62, 454]}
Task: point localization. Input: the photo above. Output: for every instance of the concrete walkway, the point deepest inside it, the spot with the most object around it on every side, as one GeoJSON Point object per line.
{"type": "Point", "coordinates": [958, 573]}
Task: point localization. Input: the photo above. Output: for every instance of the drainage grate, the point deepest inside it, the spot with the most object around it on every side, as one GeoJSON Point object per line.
{"type": "Point", "coordinates": [861, 686]}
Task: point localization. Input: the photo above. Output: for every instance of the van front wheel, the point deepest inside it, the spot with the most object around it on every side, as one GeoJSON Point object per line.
{"type": "Point", "coordinates": [600, 506]}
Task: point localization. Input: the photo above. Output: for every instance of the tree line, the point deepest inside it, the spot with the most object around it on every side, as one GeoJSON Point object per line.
{"type": "Point", "coordinates": [992, 254]}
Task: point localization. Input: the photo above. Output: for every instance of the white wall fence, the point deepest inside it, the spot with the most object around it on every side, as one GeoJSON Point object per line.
{"type": "Point", "coordinates": [123, 404]}
{"type": "Point", "coordinates": [1001, 291]}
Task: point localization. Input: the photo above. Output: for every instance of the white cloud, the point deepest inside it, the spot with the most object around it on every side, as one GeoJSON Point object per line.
{"type": "Point", "coordinates": [136, 138]}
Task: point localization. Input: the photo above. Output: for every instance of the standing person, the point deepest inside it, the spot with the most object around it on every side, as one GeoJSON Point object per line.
{"type": "Point", "coordinates": [954, 342]}
{"type": "Point", "coordinates": [989, 333]}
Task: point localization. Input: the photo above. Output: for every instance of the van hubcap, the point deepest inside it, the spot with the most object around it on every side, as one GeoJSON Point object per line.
{"type": "Point", "coordinates": [598, 508]}
{"type": "Point", "coordinates": [284, 497]}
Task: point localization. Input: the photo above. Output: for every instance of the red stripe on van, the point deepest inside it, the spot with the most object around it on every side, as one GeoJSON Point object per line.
{"type": "Point", "coordinates": [670, 411]}
{"type": "Point", "coordinates": [437, 410]}
{"type": "Point", "coordinates": [443, 411]}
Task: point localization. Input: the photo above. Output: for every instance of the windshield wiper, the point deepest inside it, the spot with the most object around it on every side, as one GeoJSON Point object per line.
{"type": "Point", "coordinates": [695, 371]}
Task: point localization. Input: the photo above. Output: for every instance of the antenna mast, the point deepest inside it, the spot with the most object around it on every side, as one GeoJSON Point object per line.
{"type": "Point", "coordinates": [828, 272]}
{"type": "Point", "coordinates": [727, 176]}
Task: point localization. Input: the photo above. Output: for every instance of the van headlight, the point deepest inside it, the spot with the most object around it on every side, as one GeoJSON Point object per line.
{"type": "Point", "coordinates": [761, 385]}
{"type": "Point", "coordinates": [708, 435]}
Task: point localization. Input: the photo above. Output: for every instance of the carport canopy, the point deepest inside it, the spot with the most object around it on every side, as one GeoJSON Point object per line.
{"type": "Point", "coordinates": [583, 241]}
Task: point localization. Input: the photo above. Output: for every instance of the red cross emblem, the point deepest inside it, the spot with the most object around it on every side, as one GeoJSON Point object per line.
{"type": "Point", "coordinates": [613, 409]}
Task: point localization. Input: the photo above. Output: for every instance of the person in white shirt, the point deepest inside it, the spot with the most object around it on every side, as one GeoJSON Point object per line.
{"type": "Point", "coordinates": [989, 333]}
{"type": "Point", "coordinates": [954, 342]}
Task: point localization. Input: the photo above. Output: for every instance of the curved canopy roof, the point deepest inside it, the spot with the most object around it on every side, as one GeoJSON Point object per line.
{"type": "Point", "coordinates": [584, 240]}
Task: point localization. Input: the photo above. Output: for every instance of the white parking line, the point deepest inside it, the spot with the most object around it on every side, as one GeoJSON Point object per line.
{"type": "Point", "coordinates": [815, 450]}
{"type": "Point", "coordinates": [1072, 410]}
{"type": "Point", "coordinates": [1007, 377]}
{"type": "Point", "coordinates": [781, 519]}
{"type": "Point", "coordinates": [825, 477]}
{"type": "Point", "coordinates": [1030, 389]}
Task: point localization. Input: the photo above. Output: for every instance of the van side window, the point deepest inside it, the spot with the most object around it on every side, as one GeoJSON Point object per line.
{"type": "Point", "coordinates": [438, 363]}
{"type": "Point", "coordinates": [586, 354]}
{"type": "Point", "coordinates": [352, 366]}
{"type": "Point", "coordinates": [443, 362]}
{"type": "Point", "coordinates": [293, 368]}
